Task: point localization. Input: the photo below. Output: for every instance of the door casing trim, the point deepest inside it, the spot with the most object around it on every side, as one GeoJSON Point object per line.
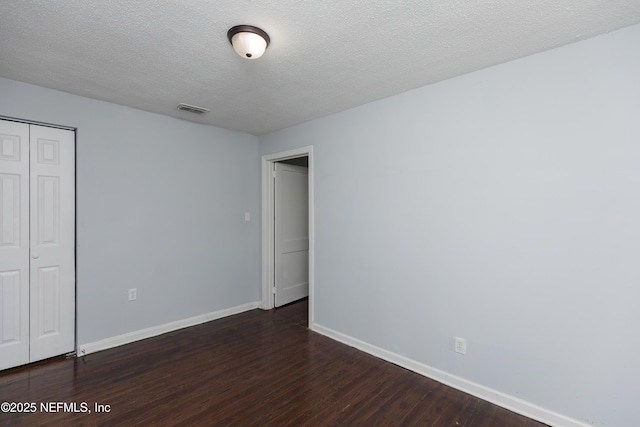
{"type": "Point", "coordinates": [268, 255]}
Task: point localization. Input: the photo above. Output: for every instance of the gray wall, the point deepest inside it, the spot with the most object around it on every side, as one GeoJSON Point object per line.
{"type": "Point", "coordinates": [160, 207]}
{"type": "Point", "coordinates": [502, 206]}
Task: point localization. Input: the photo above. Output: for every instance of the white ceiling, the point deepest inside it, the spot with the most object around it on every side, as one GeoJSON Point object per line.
{"type": "Point", "coordinates": [325, 56]}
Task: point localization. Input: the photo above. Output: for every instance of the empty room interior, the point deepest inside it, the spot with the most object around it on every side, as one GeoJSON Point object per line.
{"type": "Point", "coordinates": [451, 189]}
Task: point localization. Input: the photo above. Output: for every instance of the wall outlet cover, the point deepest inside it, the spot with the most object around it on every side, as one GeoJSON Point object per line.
{"type": "Point", "coordinates": [460, 345]}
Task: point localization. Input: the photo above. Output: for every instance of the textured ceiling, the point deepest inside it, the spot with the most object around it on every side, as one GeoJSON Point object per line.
{"type": "Point", "coordinates": [325, 56]}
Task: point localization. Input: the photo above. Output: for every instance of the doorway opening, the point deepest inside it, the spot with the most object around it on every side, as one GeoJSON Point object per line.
{"type": "Point", "coordinates": [298, 251]}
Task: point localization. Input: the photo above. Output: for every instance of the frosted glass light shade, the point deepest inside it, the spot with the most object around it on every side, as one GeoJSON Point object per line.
{"type": "Point", "coordinates": [248, 41]}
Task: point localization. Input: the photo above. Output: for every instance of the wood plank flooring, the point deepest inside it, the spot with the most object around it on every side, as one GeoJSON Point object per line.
{"type": "Point", "coordinates": [259, 368]}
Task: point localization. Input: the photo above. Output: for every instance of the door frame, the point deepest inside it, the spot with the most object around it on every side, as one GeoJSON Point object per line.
{"type": "Point", "coordinates": [45, 124]}
{"type": "Point", "coordinates": [75, 208]}
{"type": "Point", "coordinates": [268, 217]}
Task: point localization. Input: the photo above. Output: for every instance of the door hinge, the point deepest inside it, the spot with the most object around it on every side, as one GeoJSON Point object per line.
{"type": "Point", "coordinates": [274, 290]}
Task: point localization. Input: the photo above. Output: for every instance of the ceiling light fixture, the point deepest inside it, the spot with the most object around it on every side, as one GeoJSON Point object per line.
{"type": "Point", "coordinates": [248, 41]}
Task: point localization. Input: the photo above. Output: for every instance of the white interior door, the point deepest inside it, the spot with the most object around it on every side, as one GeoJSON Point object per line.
{"type": "Point", "coordinates": [52, 276]}
{"type": "Point", "coordinates": [37, 239]}
{"type": "Point", "coordinates": [291, 233]}
{"type": "Point", "coordinates": [14, 244]}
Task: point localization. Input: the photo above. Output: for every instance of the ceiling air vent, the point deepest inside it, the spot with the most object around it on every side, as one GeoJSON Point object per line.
{"type": "Point", "coordinates": [192, 108]}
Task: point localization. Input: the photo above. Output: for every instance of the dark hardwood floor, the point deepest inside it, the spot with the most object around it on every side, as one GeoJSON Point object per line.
{"type": "Point", "coordinates": [259, 368]}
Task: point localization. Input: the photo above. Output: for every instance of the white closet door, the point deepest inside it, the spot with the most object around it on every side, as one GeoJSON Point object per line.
{"type": "Point", "coordinates": [14, 244]}
{"type": "Point", "coordinates": [291, 233]}
{"type": "Point", "coordinates": [52, 225]}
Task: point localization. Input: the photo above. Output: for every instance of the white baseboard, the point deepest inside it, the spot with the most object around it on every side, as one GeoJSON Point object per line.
{"type": "Point", "coordinates": [84, 349]}
{"type": "Point", "coordinates": [506, 401]}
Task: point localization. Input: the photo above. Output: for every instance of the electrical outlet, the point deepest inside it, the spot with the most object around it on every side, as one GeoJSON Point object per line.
{"type": "Point", "coordinates": [460, 345]}
{"type": "Point", "coordinates": [133, 294]}
{"type": "Point", "coordinates": [247, 216]}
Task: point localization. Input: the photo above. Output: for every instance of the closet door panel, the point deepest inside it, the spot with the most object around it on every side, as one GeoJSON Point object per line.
{"type": "Point", "coordinates": [52, 226]}
{"type": "Point", "coordinates": [14, 244]}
